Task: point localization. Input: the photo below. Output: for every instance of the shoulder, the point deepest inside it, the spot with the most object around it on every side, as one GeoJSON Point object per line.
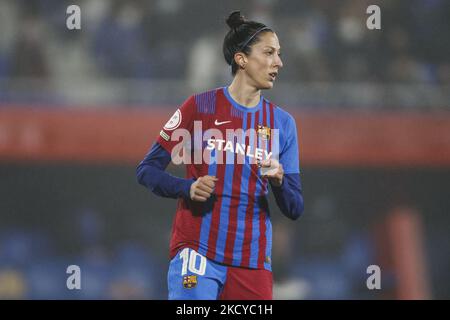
{"type": "Point", "coordinates": [206, 94]}
{"type": "Point", "coordinates": [205, 102]}
{"type": "Point", "coordinates": [282, 116]}
{"type": "Point", "coordinates": [200, 98]}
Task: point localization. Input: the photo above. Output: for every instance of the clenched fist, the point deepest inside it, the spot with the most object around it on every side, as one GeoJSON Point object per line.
{"type": "Point", "coordinates": [272, 170]}
{"type": "Point", "coordinates": [202, 188]}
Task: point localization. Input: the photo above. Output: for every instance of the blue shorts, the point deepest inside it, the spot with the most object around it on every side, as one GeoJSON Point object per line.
{"type": "Point", "coordinates": [192, 276]}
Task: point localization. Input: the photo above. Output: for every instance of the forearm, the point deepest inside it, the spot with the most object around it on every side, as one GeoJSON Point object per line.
{"type": "Point", "coordinates": [150, 173]}
{"type": "Point", "coordinates": [289, 197]}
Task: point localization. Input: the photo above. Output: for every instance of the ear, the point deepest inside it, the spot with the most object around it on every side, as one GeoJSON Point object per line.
{"type": "Point", "coordinates": [241, 59]}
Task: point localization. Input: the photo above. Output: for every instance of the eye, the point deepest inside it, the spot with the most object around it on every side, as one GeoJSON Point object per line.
{"type": "Point", "coordinates": [279, 54]}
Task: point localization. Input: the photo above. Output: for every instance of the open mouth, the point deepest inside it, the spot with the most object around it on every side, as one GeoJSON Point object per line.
{"type": "Point", "coordinates": [273, 75]}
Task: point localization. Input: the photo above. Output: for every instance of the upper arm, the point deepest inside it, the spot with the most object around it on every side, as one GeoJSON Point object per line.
{"type": "Point", "coordinates": [157, 157]}
{"type": "Point", "coordinates": [289, 154]}
{"type": "Point", "coordinates": [178, 126]}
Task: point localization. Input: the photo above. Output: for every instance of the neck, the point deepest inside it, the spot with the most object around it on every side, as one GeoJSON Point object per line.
{"type": "Point", "coordinates": [243, 93]}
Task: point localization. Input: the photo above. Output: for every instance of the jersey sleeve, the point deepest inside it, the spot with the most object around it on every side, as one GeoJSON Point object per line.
{"type": "Point", "coordinates": [289, 155]}
{"type": "Point", "coordinates": [289, 196]}
{"type": "Point", "coordinates": [150, 173]}
{"type": "Point", "coordinates": [181, 122]}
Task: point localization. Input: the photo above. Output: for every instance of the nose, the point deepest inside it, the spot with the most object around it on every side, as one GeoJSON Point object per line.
{"type": "Point", "coordinates": [278, 62]}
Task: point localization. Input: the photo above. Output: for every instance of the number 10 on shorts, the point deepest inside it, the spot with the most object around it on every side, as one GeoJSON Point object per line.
{"type": "Point", "coordinates": [190, 262]}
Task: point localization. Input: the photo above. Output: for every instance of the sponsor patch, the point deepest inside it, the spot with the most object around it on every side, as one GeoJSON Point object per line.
{"type": "Point", "coordinates": [164, 135]}
{"type": "Point", "coordinates": [174, 121]}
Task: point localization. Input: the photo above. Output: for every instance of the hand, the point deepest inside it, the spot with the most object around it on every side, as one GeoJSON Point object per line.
{"type": "Point", "coordinates": [202, 188]}
{"type": "Point", "coordinates": [275, 173]}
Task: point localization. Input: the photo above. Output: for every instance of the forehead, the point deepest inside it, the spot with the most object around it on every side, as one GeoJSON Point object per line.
{"type": "Point", "coordinates": [267, 39]}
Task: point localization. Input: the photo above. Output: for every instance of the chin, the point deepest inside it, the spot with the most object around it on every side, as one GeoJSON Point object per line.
{"type": "Point", "coordinates": [267, 85]}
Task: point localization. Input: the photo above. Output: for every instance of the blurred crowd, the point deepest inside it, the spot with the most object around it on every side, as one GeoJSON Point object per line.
{"type": "Point", "coordinates": [161, 40]}
{"type": "Point", "coordinates": [34, 263]}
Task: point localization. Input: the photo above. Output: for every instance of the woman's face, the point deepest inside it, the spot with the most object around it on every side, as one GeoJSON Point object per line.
{"type": "Point", "coordinates": [264, 61]}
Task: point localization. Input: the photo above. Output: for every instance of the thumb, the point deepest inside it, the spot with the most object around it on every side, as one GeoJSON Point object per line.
{"type": "Point", "coordinates": [266, 163]}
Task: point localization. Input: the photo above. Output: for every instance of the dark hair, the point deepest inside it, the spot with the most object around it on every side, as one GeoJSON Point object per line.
{"type": "Point", "coordinates": [242, 35]}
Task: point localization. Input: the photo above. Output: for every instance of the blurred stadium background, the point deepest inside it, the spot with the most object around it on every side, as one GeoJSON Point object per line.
{"type": "Point", "coordinates": [79, 109]}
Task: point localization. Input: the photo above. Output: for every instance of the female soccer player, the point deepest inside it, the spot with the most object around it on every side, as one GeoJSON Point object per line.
{"type": "Point", "coordinates": [234, 143]}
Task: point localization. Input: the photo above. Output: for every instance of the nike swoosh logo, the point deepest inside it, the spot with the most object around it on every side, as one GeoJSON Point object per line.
{"type": "Point", "coordinates": [217, 123]}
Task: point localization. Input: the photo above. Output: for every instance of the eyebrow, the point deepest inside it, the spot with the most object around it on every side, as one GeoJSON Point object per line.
{"type": "Point", "coordinates": [270, 47]}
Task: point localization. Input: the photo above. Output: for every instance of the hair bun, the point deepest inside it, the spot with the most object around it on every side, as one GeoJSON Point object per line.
{"type": "Point", "coordinates": [235, 19]}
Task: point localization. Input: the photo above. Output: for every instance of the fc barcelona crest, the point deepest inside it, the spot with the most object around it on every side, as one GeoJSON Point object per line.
{"type": "Point", "coordinates": [264, 132]}
{"type": "Point", "coordinates": [189, 282]}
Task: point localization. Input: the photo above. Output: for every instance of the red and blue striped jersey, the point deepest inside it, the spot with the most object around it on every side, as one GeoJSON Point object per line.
{"type": "Point", "coordinates": [233, 227]}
